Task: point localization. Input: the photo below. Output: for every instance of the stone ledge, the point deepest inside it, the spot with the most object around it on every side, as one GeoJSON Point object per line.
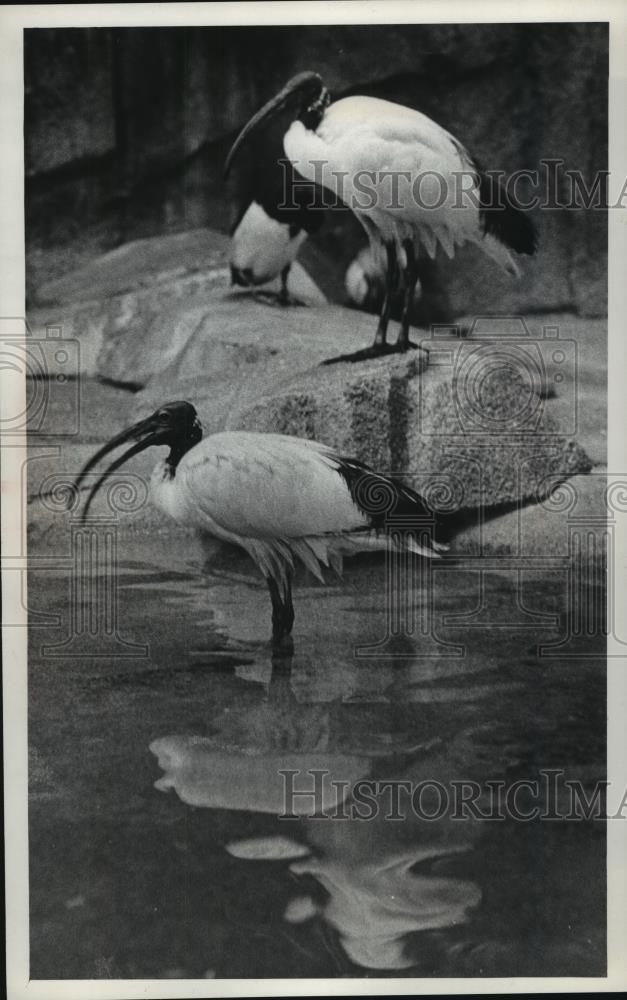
{"type": "Point", "coordinates": [134, 310]}
{"type": "Point", "coordinates": [405, 418]}
{"type": "Point", "coordinates": [543, 529]}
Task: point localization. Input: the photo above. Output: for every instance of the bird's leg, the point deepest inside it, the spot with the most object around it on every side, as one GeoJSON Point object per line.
{"type": "Point", "coordinates": [410, 277]}
{"type": "Point", "coordinates": [279, 691]}
{"type": "Point", "coordinates": [391, 279]}
{"type": "Point", "coordinates": [282, 612]}
{"type": "Point", "coordinates": [380, 345]}
{"type": "Point", "coordinates": [284, 295]}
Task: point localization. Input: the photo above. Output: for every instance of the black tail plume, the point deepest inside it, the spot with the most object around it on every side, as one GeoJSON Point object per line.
{"type": "Point", "coordinates": [504, 219]}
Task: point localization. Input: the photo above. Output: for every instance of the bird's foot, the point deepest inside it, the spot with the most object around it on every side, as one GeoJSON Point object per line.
{"type": "Point", "coordinates": [374, 351]}
{"type": "Point", "coordinates": [278, 299]}
{"type": "Point", "coordinates": [266, 298]}
{"type": "Point", "coordinates": [282, 658]}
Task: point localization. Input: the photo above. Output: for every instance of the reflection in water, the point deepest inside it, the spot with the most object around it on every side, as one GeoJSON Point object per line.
{"type": "Point", "coordinates": [204, 776]}
{"type": "Point", "coordinates": [377, 874]}
{"type": "Point", "coordinates": [374, 905]}
{"type": "Point", "coordinates": [374, 897]}
{"type": "Point", "coordinates": [275, 736]}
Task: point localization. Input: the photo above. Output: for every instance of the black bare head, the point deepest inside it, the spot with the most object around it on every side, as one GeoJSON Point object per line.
{"type": "Point", "coordinates": [175, 425]}
{"type": "Point", "coordinates": [305, 95]}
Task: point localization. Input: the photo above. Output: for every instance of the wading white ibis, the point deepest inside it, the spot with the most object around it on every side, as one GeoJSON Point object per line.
{"type": "Point", "coordinates": [411, 184]}
{"type": "Point", "coordinates": [278, 211]}
{"type": "Point", "coordinates": [276, 496]}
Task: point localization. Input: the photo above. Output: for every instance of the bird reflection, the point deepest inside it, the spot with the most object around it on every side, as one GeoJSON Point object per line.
{"type": "Point", "coordinates": [377, 876]}
{"type": "Point", "coordinates": [374, 905]}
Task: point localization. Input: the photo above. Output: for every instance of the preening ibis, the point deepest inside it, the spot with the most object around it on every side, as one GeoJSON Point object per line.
{"type": "Point", "coordinates": [278, 211]}
{"type": "Point", "coordinates": [276, 496]}
{"type": "Point", "coordinates": [411, 184]}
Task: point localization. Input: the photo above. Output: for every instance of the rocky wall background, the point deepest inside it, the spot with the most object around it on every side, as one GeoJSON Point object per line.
{"type": "Point", "coordinates": [126, 132]}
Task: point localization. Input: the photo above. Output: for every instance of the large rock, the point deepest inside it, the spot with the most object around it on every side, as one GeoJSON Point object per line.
{"type": "Point", "coordinates": [132, 311]}
{"type": "Point", "coordinates": [156, 262]}
{"type": "Point", "coordinates": [138, 264]}
{"type": "Point", "coordinates": [579, 401]}
{"type": "Point", "coordinates": [547, 529]}
{"type": "Point", "coordinates": [484, 442]}
{"type": "Point", "coordinates": [240, 350]}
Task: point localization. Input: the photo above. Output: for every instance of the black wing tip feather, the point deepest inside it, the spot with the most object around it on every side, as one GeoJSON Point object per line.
{"type": "Point", "coordinates": [505, 220]}
{"type": "Point", "coordinates": [290, 199]}
{"type": "Point", "coordinates": [380, 498]}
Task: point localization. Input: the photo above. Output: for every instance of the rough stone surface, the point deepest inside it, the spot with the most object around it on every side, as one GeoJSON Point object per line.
{"type": "Point", "coordinates": [404, 419]}
{"type": "Point", "coordinates": [579, 400]}
{"type": "Point", "coordinates": [133, 311]}
{"type": "Point", "coordinates": [138, 264]}
{"type": "Point", "coordinates": [354, 408]}
{"type": "Point", "coordinates": [161, 261]}
{"type": "Point", "coordinates": [543, 529]}
{"type": "Point", "coordinates": [237, 353]}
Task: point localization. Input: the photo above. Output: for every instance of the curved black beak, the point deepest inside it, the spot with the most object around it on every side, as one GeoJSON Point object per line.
{"type": "Point", "coordinates": [145, 433]}
{"type": "Point", "coordinates": [297, 87]}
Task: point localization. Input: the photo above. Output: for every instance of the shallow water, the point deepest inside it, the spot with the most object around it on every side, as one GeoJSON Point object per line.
{"type": "Point", "coordinates": [199, 877]}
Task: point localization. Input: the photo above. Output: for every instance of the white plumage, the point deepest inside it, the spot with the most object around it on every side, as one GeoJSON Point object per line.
{"type": "Point", "coordinates": [361, 139]}
{"type": "Point", "coordinates": [274, 495]}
